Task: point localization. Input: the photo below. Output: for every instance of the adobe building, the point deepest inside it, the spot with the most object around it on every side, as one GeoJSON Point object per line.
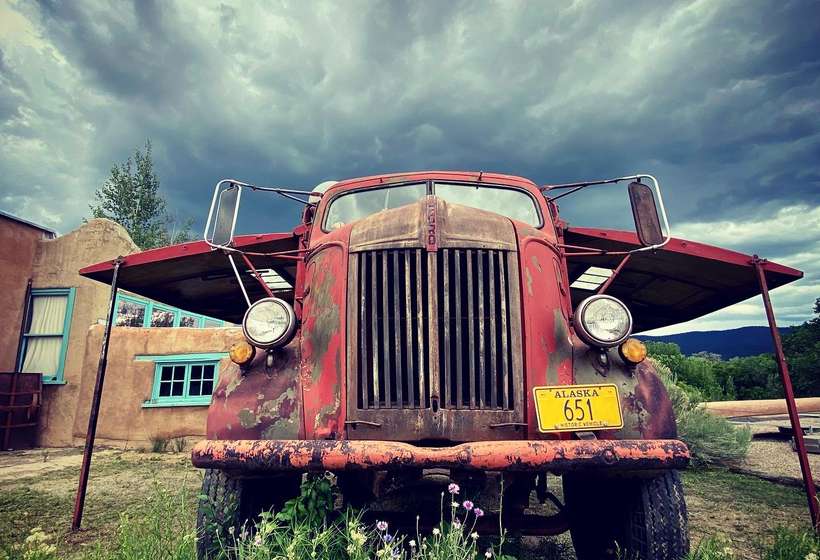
{"type": "Point", "coordinates": [163, 362]}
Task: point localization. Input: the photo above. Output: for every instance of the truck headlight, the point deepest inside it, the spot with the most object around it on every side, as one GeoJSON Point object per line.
{"type": "Point", "coordinates": [269, 323]}
{"type": "Point", "coordinates": [603, 321]}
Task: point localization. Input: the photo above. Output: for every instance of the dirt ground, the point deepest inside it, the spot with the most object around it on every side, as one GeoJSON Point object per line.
{"type": "Point", "coordinates": [37, 489]}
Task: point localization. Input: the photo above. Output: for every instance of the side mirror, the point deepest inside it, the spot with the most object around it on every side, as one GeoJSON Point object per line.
{"type": "Point", "coordinates": [645, 212]}
{"type": "Point", "coordinates": [223, 212]}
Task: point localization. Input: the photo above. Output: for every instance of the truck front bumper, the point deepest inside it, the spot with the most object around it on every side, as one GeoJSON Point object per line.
{"type": "Point", "coordinates": [515, 455]}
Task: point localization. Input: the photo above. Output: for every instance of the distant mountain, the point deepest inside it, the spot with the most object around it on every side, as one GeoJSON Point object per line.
{"type": "Point", "coordinates": [745, 341]}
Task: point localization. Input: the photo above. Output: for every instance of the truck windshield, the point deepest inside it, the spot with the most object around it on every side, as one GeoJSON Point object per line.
{"type": "Point", "coordinates": [356, 205]}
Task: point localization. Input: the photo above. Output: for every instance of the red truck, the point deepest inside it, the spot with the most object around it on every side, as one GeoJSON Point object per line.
{"type": "Point", "coordinates": [428, 328]}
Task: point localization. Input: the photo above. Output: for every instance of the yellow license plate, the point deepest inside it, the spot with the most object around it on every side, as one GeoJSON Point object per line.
{"type": "Point", "coordinates": [564, 408]}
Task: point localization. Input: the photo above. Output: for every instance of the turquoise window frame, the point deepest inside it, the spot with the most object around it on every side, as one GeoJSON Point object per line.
{"type": "Point", "coordinates": [58, 378]}
{"type": "Point", "coordinates": [178, 313]}
{"type": "Point", "coordinates": [187, 360]}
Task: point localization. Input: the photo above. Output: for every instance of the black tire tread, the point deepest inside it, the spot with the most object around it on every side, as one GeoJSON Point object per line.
{"type": "Point", "coordinates": [219, 489]}
{"type": "Point", "coordinates": [652, 514]}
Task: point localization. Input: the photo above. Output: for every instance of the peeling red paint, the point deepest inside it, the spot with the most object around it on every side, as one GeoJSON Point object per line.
{"type": "Point", "coordinates": [548, 352]}
{"type": "Point", "coordinates": [323, 338]}
{"type": "Point", "coordinates": [558, 456]}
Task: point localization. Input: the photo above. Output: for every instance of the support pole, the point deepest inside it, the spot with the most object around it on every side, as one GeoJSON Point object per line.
{"type": "Point", "coordinates": [783, 367]}
{"type": "Point", "coordinates": [79, 501]}
{"type": "Point", "coordinates": [615, 273]}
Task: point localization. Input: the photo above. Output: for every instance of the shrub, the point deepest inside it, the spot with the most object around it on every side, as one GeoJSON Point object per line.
{"type": "Point", "coordinates": [178, 444]}
{"type": "Point", "coordinates": [159, 445]}
{"type": "Point", "coordinates": [712, 440]}
{"type": "Point", "coordinates": [37, 546]}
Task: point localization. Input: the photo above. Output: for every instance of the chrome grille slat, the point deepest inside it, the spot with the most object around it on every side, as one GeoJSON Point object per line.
{"type": "Point", "coordinates": [470, 334]}
{"type": "Point", "coordinates": [493, 369]}
{"type": "Point", "coordinates": [460, 318]}
{"type": "Point", "coordinates": [483, 380]}
{"type": "Point", "coordinates": [408, 314]}
{"type": "Point", "coordinates": [421, 327]}
{"type": "Point", "coordinates": [374, 291]}
{"type": "Point", "coordinates": [504, 304]}
{"type": "Point", "coordinates": [446, 321]}
{"type": "Point", "coordinates": [386, 330]}
{"type": "Point", "coordinates": [458, 294]}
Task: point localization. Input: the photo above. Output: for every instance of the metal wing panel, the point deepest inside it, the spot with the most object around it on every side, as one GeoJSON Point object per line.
{"type": "Point", "coordinates": [197, 278]}
{"type": "Point", "coordinates": [681, 281]}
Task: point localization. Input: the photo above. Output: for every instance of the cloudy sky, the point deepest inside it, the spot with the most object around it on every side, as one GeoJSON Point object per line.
{"type": "Point", "coordinates": [719, 99]}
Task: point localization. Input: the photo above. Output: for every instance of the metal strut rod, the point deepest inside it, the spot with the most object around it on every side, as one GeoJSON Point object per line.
{"type": "Point", "coordinates": [783, 367]}
{"type": "Point", "coordinates": [79, 501]}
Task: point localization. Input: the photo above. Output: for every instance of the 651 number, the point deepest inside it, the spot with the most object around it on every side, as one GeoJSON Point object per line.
{"type": "Point", "coordinates": [578, 409]}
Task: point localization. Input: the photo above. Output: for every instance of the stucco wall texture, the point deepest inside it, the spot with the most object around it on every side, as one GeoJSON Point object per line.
{"type": "Point", "coordinates": [19, 242]}
{"type": "Point", "coordinates": [56, 265]}
{"type": "Point", "coordinates": [123, 421]}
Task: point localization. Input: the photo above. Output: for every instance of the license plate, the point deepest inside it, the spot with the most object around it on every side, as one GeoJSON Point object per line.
{"type": "Point", "coordinates": [564, 408]}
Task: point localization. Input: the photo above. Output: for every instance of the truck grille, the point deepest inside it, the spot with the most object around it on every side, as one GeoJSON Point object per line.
{"type": "Point", "coordinates": [421, 334]}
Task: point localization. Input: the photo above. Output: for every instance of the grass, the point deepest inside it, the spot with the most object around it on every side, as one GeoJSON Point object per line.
{"type": "Point", "coordinates": [119, 481]}
{"type": "Point", "coordinates": [142, 506]}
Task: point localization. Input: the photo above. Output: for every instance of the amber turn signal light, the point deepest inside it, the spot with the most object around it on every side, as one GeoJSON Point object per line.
{"type": "Point", "coordinates": [242, 352]}
{"type": "Point", "coordinates": [632, 350]}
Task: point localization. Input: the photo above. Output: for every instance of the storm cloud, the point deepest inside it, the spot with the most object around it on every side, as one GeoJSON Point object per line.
{"type": "Point", "coordinates": [719, 99]}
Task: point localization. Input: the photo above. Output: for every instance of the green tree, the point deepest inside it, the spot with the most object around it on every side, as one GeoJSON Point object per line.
{"type": "Point", "coordinates": [130, 196]}
{"type": "Point", "coordinates": [752, 377]}
{"type": "Point", "coordinates": [802, 348]}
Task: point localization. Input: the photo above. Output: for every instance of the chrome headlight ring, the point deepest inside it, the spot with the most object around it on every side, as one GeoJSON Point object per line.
{"type": "Point", "coordinates": [602, 321]}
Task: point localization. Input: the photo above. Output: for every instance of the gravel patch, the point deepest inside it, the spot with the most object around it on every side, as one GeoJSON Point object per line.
{"type": "Point", "coordinates": [772, 456]}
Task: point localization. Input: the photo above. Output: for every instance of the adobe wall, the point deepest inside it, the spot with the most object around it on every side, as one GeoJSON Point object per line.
{"type": "Point", "coordinates": [123, 421]}
{"type": "Point", "coordinates": [56, 265]}
{"type": "Point", "coordinates": [19, 245]}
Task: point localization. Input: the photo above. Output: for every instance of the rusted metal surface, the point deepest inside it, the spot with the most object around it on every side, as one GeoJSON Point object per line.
{"type": "Point", "coordinates": [323, 338]}
{"type": "Point", "coordinates": [548, 346]}
{"type": "Point", "coordinates": [258, 402]}
{"type": "Point", "coordinates": [560, 456]}
{"type": "Point", "coordinates": [794, 417]}
{"type": "Point", "coordinates": [21, 396]}
{"type": "Point", "coordinates": [645, 405]}
{"type": "Point", "coordinates": [426, 326]}
{"type": "Point", "coordinates": [91, 433]}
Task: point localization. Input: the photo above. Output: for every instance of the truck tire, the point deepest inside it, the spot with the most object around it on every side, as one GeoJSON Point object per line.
{"type": "Point", "coordinates": [641, 518]}
{"type": "Point", "coordinates": [228, 503]}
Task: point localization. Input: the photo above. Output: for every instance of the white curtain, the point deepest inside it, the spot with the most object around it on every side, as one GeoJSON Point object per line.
{"type": "Point", "coordinates": [47, 318]}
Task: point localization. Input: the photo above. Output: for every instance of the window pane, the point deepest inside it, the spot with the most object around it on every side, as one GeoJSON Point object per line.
{"type": "Point", "coordinates": [207, 387]}
{"type": "Point", "coordinates": [194, 389]}
{"type": "Point", "coordinates": [359, 204]}
{"type": "Point", "coordinates": [512, 203]}
{"type": "Point", "coordinates": [179, 373]}
{"type": "Point", "coordinates": [47, 314]}
{"type": "Point", "coordinates": [178, 388]}
{"type": "Point", "coordinates": [196, 372]}
{"type": "Point", "coordinates": [43, 355]}
{"type": "Point", "coordinates": [188, 321]}
{"type": "Point", "coordinates": [164, 389]}
{"type": "Point", "coordinates": [209, 372]}
{"type": "Point", "coordinates": [130, 314]}
{"type": "Point", "coordinates": [162, 317]}
{"type": "Point", "coordinates": [166, 373]}
{"type": "Point", "coordinates": [211, 323]}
